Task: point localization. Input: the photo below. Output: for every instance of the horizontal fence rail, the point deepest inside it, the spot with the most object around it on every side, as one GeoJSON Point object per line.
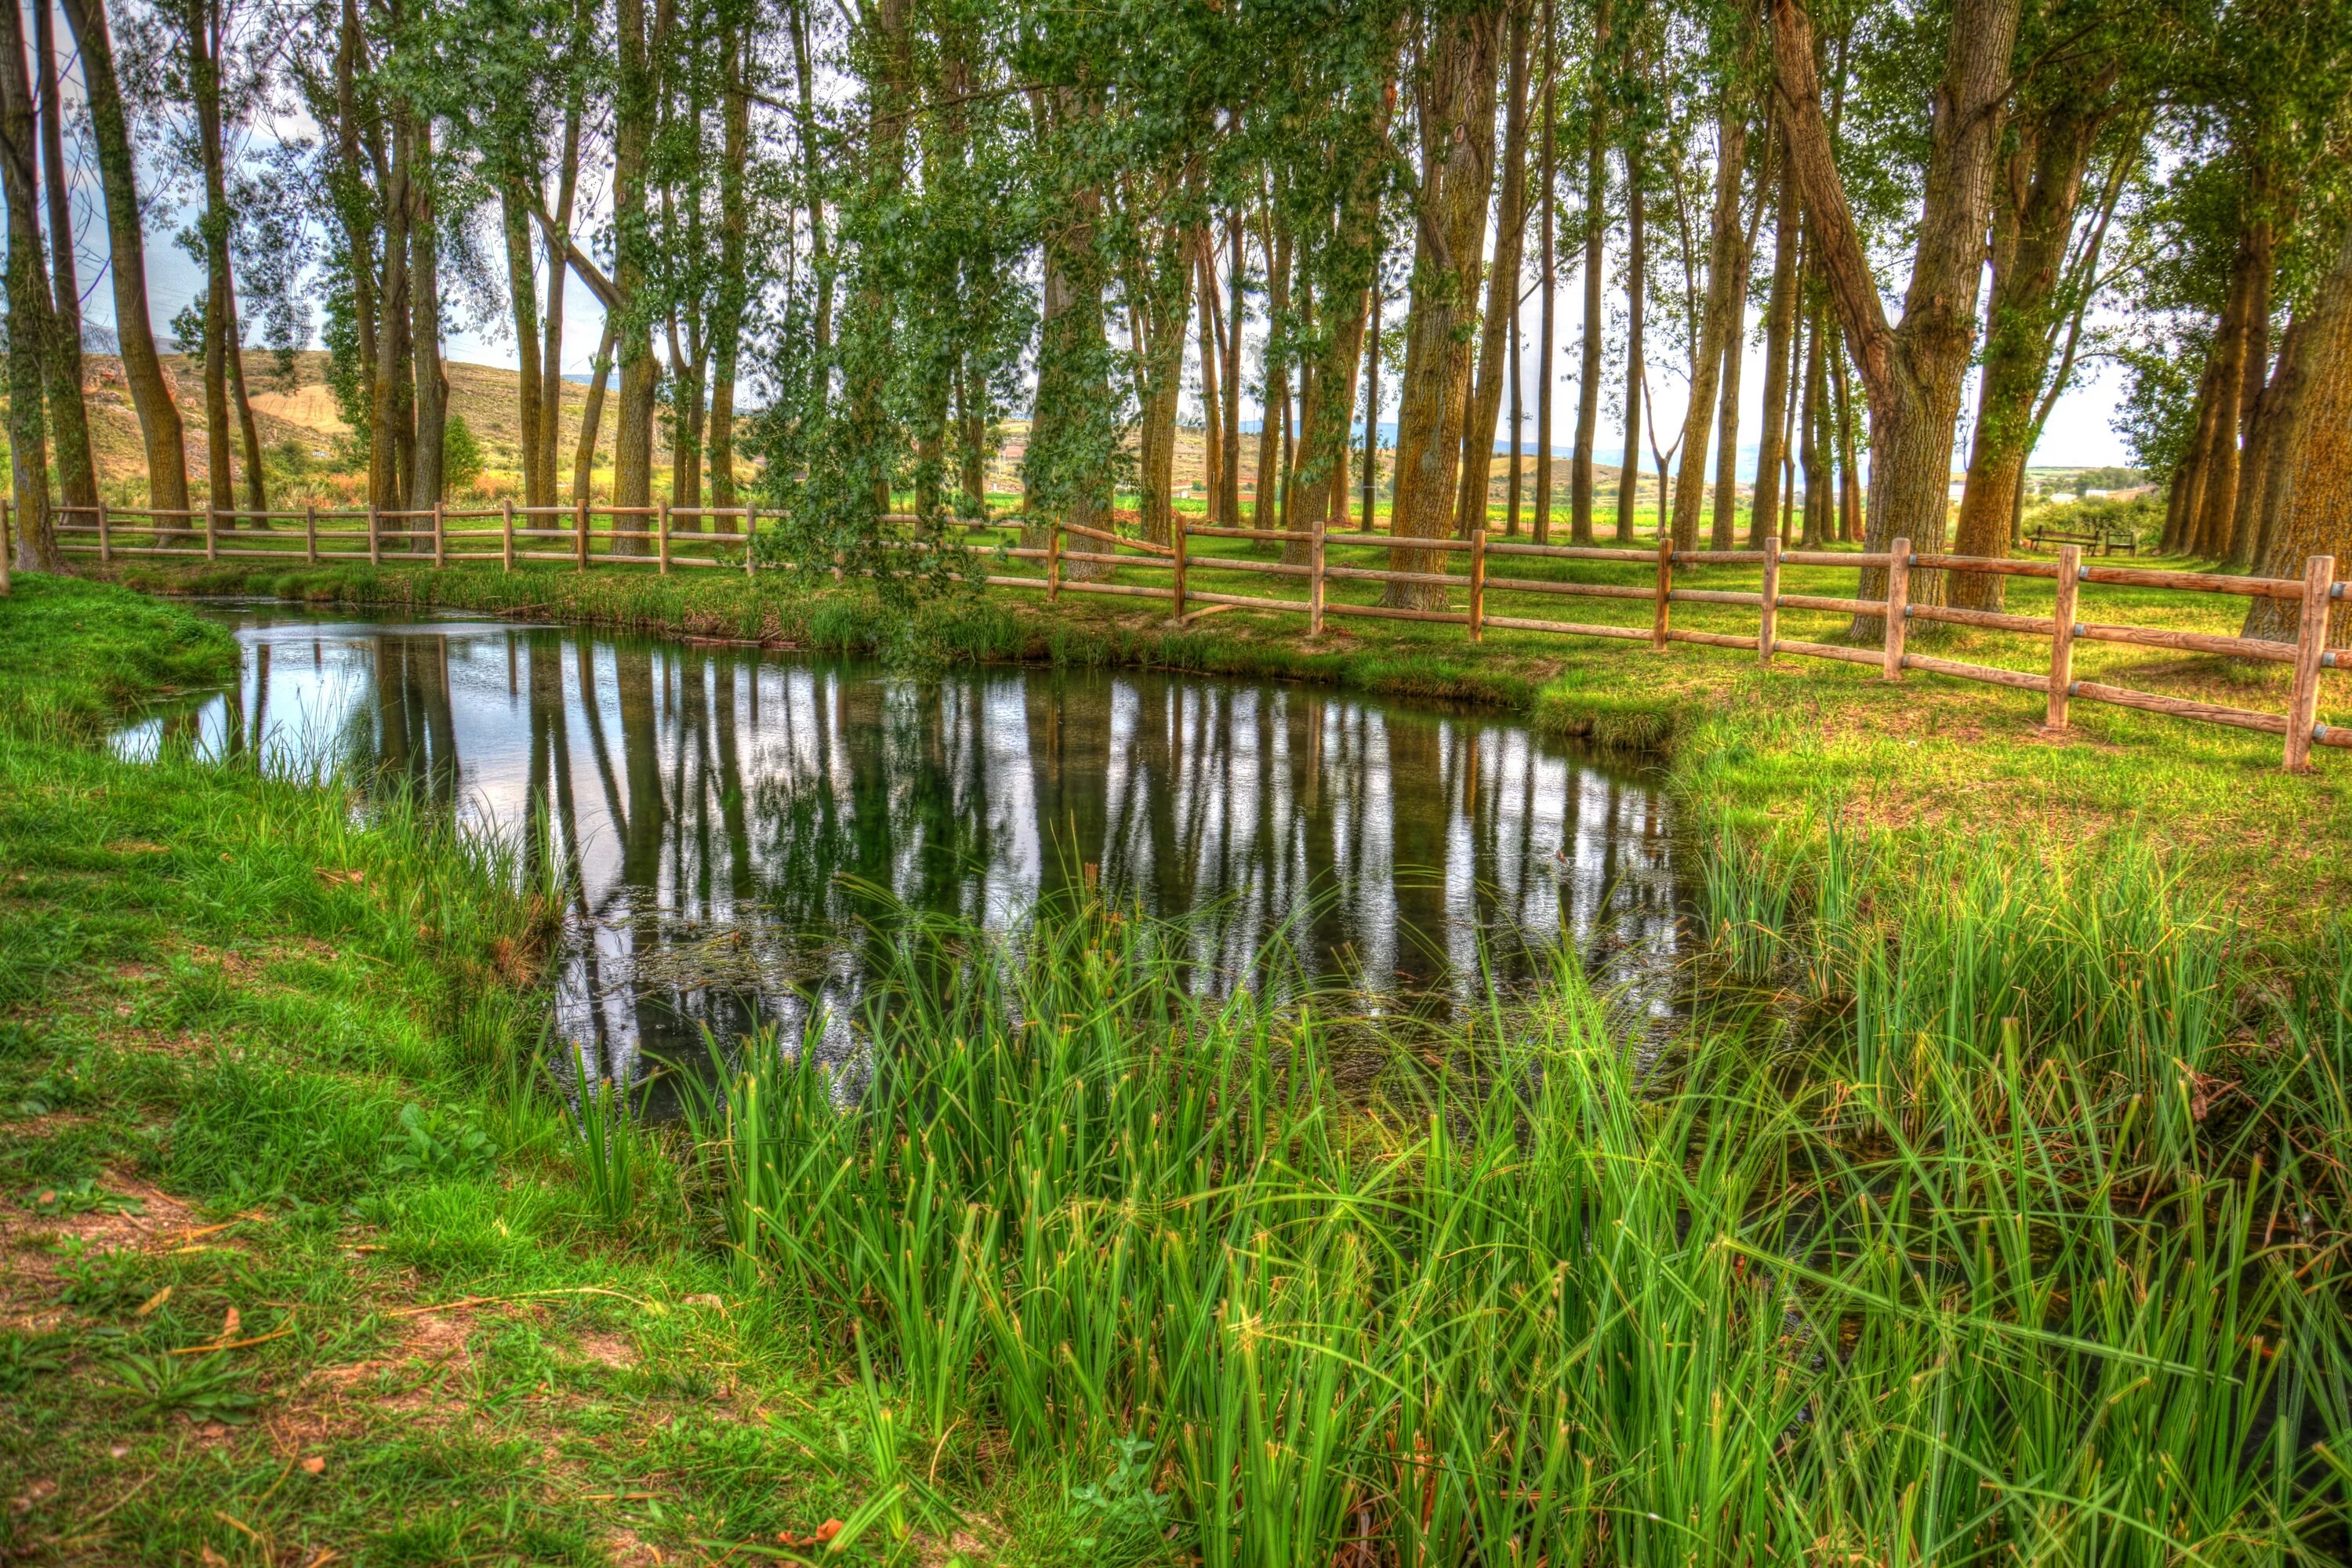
{"type": "Point", "coordinates": [1078, 558]}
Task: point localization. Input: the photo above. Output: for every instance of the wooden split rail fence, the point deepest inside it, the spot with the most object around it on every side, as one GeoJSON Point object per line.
{"type": "Point", "coordinates": [2315, 593]}
{"type": "Point", "coordinates": [521, 533]}
{"type": "Point", "coordinates": [371, 534]}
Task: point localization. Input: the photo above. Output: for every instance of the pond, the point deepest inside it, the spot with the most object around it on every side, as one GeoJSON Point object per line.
{"type": "Point", "coordinates": [734, 825]}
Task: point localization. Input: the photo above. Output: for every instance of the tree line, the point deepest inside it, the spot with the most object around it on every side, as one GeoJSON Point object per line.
{"type": "Point", "coordinates": [847, 243]}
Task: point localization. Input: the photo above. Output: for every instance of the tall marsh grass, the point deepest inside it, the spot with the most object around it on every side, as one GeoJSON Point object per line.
{"type": "Point", "coordinates": [1981, 1272]}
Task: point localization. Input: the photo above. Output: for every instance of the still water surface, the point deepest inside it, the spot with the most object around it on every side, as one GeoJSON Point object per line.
{"type": "Point", "coordinates": [729, 819]}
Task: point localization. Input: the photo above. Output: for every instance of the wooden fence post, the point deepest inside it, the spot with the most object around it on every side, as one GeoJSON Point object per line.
{"type": "Point", "coordinates": [440, 540]}
{"type": "Point", "coordinates": [105, 539]}
{"type": "Point", "coordinates": [2310, 643]}
{"type": "Point", "coordinates": [661, 533]}
{"type": "Point", "coordinates": [2062, 636]}
{"type": "Point", "coordinates": [1666, 591]}
{"type": "Point", "coordinates": [1053, 565]}
{"type": "Point", "coordinates": [1179, 562]}
{"type": "Point", "coordinates": [751, 529]}
{"type": "Point", "coordinates": [1898, 604]}
{"type": "Point", "coordinates": [1768, 619]}
{"type": "Point", "coordinates": [311, 532]}
{"type": "Point", "coordinates": [212, 532]}
{"type": "Point", "coordinates": [1314, 548]}
{"type": "Point", "coordinates": [1478, 577]}
{"type": "Point", "coordinates": [580, 511]}
{"type": "Point", "coordinates": [506, 533]}
{"type": "Point", "coordinates": [375, 538]}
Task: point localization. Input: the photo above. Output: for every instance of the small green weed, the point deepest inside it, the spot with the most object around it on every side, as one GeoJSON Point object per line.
{"type": "Point", "coordinates": [23, 1357]}
{"type": "Point", "coordinates": [85, 1196]}
{"type": "Point", "coordinates": [1123, 1516]}
{"type": "Point", "coordinates": [205, 1388]}
{"type": "Point", "coordinates": [418, 1150]}
{"type": "Point", "coordinates": [99, 1280]}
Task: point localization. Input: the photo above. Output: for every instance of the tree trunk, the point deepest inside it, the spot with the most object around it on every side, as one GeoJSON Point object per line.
{"type": "Point", "coordinates": [1274, 399]}
{"type": "Point", "coordinates": [212, 226]}
{"type": "Point", "coordinates": [550, 434]}
{"type": "Point", "coordinates": [63, 362]}
{"type": "Point", "coordinates": [393, 425]}
{"type": "Point", "coordinates": [2217, 495]}
{"type": "Point", "coordinates": [1160, 289]}
{"type": "Point", "coordinates": [425, 304]}
{"type": "Point", "coordinates": [1780, 336]}
{"type": "Point", "coordinates": [142, 368]}
{"type": "Point", "coordinates": [1546, 194]}
{"type": "Point", "coordinates": [2311, 503]}
{"type": "Point", "coordinates": [2269, 448]}
{"type": "Point", "coordinates": [633, 104]}
{"type": "Point", "coordinates": [2037, 229]}
{"type": "Point", "coordinates": [1629, 476]}
{"type": "Point", "coordinates": [1456, 110]}
{"type": "Point", "coordinates": [1211, 334]}
{"type": "Point", "coordinates": [1912, 374]}
{"type": "Point", "coordinates": [1725, 534]}
{"type": "Point", "coordinates": [1229, 506]}
{"type": "Point", "coordinates": [1716, 326]}
{"type": "Point", "coordinates": [1849, 469]}
{"type": "Point", "coordinates": [1500, 324]}
{"type": "Point", "coordinates": [592, 415]}
{"type": "Point", "coordinates": [30, 320]}
{"type": "Point", "coordinates": [1818, 514]}
{"type": "Point", "coordinates": [1372, 398]}
{"type": "Point", "coordinates": [734, 242]}
{"type": "Point", "coordinates": [522, 292]}
{"type": "Point", "coordinates": [1596, 233]}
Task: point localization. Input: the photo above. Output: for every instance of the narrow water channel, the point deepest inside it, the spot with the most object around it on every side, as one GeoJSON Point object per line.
{"type": "Point", "coordinates": [734, 822]}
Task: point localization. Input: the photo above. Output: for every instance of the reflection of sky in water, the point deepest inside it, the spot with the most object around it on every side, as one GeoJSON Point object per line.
{"type": "Point", "coordinates": [711, 804]}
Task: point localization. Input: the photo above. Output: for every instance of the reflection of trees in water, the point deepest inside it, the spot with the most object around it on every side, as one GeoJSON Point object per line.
{"type": "Point", "coordinates": [688, 793]}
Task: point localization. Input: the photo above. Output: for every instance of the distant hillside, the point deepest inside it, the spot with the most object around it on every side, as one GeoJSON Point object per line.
{"type": "Point", "coordinates": [302, 434]}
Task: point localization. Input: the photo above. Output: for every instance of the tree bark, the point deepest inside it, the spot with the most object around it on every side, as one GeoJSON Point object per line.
{"type": "Point", "coordinates": [151, 394]}
{"type": "Point", "coordinates": [1501, 323]}
{"type": "Point", "coordinates": [393, 414]}
{"type": "Point", "coordinates": [1629, 476]}
{"type": "Point", "coordinates": [2042, 193]}
{"type": "Point", "coordinates": [1211, 334]}
{"type": "Point", "coordinates": [592, 415]}
{"type": "Point", "coordinates": [633, 104]}
{"type": "Point", "coordinates": [2268, 449]}
{"type": "Point", "coordinates": [1274, 400]}
{"type": "Point", "coordinates": [1580, 483]}
{"type": "Point", "coordinates": [1547, 195]}
{"type": "Point", "coordinates": [734, 245]}
{"type": "Point", "coordinates": [2312, 502]}
{"type": "Point", "coordinates": [425, 304]}
{"type": "Point", "coordinates": [2217, 495]}
{"type": "Point", "coordinates": [63, 362]}
{"type": "Point", "coordinates": [1818, 505]}
{"type": "Point", "coordinates": [1716, 326]}
{"type": "Point", "coordinates": [1725, 534]}
{"type": "Point", "coordinates": [1455, 107]}
{"type": "Point", "coordinates": [1912, 374]}
{"type": "Point", "coordinates": [522, 292]}
{"type": "Point", "coordinates": [30, 318]}
{"type": "Point", "coordinates": [1779, 335]}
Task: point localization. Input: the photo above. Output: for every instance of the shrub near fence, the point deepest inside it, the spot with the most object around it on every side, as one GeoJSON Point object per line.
{"type": "Point", "coordinates": [520, 535]}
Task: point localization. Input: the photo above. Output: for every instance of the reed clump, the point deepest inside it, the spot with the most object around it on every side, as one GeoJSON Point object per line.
{"type": "Point", "coordinates": [1984, 1269]}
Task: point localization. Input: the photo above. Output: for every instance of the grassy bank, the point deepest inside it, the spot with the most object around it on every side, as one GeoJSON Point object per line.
{"type": "Point", "coordinates": [1804, 742]}
{"type": "Point", "coordinates": [298, 1268]}
{"type": "Point", "coordinates": [1992, 1210]}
